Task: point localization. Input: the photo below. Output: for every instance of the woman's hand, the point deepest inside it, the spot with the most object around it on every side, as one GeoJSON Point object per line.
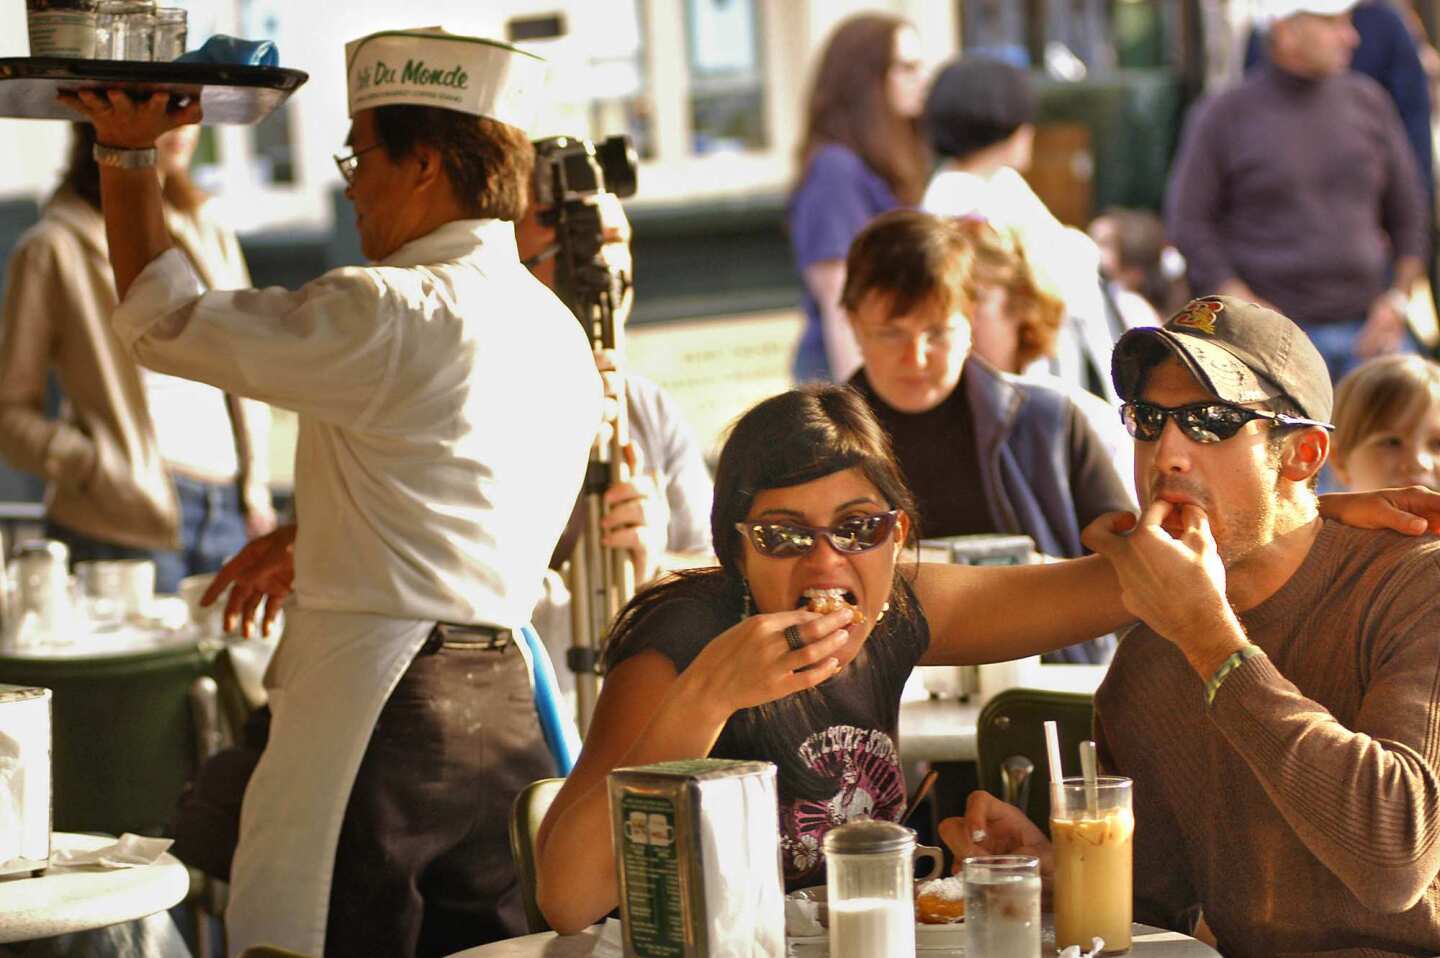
{"type": "Point", "coordinates": [130, 124]}
{"type": "Point", "coordinates": [1413, 510]}
{"type": "Point", "coordinates": [263, 571]}
{"type": "Point", "coordinates": [751, 663]}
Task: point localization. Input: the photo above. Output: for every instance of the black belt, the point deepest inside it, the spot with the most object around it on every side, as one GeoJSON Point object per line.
{"type": "Point", "coordinates": [450, 635]}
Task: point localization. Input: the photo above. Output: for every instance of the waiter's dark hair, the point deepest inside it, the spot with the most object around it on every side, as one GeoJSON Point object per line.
{"type": "Point", "coordinates": [488, 162]}
{"type": "Point", "coordinates": [793, 438]}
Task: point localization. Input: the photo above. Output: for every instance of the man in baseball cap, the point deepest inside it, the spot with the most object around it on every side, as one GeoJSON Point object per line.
{"type": "Point", "coordinates": [1276, 705]}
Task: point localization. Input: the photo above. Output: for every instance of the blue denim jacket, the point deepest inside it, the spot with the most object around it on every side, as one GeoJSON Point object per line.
{"type": "Point", "coordinates": [1021, 433]}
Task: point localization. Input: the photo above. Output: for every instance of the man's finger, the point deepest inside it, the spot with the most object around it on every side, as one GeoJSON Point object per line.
{"type": "Point", "coordinates": [1196, 526]}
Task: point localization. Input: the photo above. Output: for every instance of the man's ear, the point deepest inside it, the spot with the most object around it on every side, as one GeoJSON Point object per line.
{"type": "Point", "coordinates": [1304, 454]}
{"type": "Point", "coordinates": [428, 166]}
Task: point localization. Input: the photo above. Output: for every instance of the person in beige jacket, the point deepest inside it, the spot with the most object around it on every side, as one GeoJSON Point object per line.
{"type": "Point", "coordinates": [139, 464]}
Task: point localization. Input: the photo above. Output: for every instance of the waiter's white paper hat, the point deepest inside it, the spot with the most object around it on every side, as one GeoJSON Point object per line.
{"type": "Point", "coordinates": [1273, 10]}
{"type": "Point", "coordinates": [431, 67]}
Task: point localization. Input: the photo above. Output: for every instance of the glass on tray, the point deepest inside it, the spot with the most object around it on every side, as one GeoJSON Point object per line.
{"type": "Point", "coordinates": [125, 30]}
{"type": "Point", "coordinates": [62, 28]}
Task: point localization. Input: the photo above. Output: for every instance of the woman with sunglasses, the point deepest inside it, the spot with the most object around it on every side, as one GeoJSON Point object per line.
{"type": "Point", "coordinates": [727, 662]}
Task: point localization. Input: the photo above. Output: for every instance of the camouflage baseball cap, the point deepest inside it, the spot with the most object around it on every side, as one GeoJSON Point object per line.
{"type": "Point", "coordinates": [1241, 352]}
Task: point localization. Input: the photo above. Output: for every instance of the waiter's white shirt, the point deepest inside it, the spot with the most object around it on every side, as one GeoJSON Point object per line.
{"type": "Point", "coordinates": [447, 404]}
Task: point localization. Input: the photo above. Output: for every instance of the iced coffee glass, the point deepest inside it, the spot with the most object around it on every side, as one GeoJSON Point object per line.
{"type": "Point", "coordinates": [1093, 837]}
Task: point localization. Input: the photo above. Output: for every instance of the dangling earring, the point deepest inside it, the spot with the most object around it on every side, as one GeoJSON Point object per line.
{"type": "Point", "coordinates": [883, 609]}
{"type": "Point", "coordinates": [747, 607]}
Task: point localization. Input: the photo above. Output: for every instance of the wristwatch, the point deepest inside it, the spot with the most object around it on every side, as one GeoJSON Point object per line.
{"type": "Point", "coordinates": [123, 159]}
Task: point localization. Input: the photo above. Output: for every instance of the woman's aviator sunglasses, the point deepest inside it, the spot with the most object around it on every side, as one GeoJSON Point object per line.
{"type": "Point", "coordinates": [850, 536]}
{"type": "Point", "coordinates": [1204, 422]}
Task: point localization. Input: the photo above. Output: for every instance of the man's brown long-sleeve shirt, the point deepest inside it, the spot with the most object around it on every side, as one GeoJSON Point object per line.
{"type": "Point", "coordinates": [1302, 810]}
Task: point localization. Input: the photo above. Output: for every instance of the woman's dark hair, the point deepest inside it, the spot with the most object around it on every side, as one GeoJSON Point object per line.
{"type": "Point", "coordinates": [82, 175]}
{"type": "Point", "coordinates": [793, 438]}
{"type": "Point", "coordinates": [912, 257]}
{"type": "Point", "coordinates": [488, 162]}
{"type": "Point", "coordinates": [977, 102]}
{"type": "Point", "coordinates": [849, 105]}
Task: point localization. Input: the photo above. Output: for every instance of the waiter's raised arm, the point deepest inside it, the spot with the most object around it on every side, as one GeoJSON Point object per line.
{"type": "Point", "coordinates": [125, 135]}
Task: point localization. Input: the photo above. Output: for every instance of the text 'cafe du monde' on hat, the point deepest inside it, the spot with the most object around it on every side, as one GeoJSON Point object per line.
{"type": "Point", "coordinates": [1241, 352]}
{"type": "Point", "coordinates": [431, 67]}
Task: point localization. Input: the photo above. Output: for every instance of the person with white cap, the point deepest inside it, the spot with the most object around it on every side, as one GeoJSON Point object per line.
{"type": "Point", "coordinates": [428, 505]}
{"type": "Point", "coordinates": [1298, 188]}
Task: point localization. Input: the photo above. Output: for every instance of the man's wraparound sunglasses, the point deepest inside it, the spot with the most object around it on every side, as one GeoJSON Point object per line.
{"type": "Point", "coordinates": [851, 536]}
{"type": "Point", "coordinates": [1200, 421]}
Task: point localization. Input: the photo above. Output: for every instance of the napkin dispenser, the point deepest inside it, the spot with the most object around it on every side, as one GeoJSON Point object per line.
{"type": "Point", "coordinates": [963, 681]}
{"type": "Point", "coordinates": [24, 780]}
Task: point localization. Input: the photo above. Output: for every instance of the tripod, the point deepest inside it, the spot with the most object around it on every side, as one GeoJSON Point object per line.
{"type": "Point", "coordinates": [600, 580]}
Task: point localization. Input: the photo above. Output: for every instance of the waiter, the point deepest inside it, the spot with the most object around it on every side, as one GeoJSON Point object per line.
{"type": "Point", "coordinates": [447, 403]}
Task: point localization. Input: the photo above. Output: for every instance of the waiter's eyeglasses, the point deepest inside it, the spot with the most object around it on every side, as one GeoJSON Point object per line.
{"type": "Point", "coordinates": [852, 536]}
{"type": "Point", "coordinates": [346, 164]}
{"type": "Point", "coordinates": [1204, 422]}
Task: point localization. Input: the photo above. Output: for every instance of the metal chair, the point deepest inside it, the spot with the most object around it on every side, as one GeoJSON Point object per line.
{"type": "Point", "coordinates": [219, 707]}
{"type": "Point", "coordinates": [525, 817]}
{"type": "Point", "coordinates": [1010, 743]}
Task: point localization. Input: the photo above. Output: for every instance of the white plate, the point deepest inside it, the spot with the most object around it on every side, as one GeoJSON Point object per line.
{"type": "Point", "coordinates": [948, 938]}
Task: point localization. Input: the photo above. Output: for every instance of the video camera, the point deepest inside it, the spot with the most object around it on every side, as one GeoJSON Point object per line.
{"type": "Point", "coordinates": [570, 172]}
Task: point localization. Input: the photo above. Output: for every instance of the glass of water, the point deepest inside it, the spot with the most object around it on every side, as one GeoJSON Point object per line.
{"type": "Point", "coordinates": [170, 33]}
{"type": "Point", "coordinates": [125, 30]}
{"type": "Point", "coordinates": [1002, 906]}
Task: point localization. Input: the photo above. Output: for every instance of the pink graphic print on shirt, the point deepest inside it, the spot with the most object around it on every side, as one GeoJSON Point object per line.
{"type": "Point", "coordinates": [864, 765]}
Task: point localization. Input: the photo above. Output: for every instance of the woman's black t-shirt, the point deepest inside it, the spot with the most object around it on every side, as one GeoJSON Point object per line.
{"type": "Point", "coordinates": [835, 747]}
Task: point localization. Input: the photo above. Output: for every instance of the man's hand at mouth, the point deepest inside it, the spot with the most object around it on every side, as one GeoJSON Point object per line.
{"type": "Point", "coordinates": [1172, 578]}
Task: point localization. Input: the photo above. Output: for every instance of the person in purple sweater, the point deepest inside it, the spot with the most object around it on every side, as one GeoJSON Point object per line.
{"type": "Point", "coordinates": [862, 154]}
{"type": "Point", "coordinates": [1298, 189]}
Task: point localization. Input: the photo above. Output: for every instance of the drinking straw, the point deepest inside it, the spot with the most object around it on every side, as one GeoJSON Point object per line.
{"type": "Point", "coordinates": [1087, 769]}
{"type": "Point", "coordinates": [1052, 752]}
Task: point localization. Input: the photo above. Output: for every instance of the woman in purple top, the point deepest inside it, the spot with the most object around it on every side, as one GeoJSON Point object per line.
{"type": "Point", "coordinates": [862, 154]}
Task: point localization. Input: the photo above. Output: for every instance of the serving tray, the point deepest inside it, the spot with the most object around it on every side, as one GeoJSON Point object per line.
{"type": "Point", "coordinates": [229, 94]}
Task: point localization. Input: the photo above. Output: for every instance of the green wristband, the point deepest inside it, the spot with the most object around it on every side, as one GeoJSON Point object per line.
{"type": "Point", "coordinates": [1236, 659]}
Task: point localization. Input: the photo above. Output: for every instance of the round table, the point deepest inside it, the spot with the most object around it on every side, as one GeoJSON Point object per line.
{"type": "Point", "coordinates": [81, 897]}
{"type": "Point", "coordinates": [1148, 942]}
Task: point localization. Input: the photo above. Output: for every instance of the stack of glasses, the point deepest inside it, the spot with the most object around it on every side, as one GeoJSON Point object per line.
{"type": "Point", "coordinates": [106, 30]}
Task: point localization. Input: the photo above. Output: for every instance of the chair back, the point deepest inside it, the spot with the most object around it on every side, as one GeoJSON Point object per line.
{"type": "Point", "coordinates": [525, 817]}
{"type": "Point", "coordinates": [1010, 743]}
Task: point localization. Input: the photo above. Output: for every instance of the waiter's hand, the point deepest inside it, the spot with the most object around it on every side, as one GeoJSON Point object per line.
{"type": "Point", "coordinates": [262, 572]}
{"type": "Point", "coordinates": [130, 124]}
{"type": "Point", "coordinates": [637, 517]}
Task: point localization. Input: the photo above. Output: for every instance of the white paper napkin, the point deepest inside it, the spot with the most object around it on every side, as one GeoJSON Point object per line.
{"type": "Point", "coordinates": [129, 851]}
{"type": "Point", "coordinates": [608, 945]}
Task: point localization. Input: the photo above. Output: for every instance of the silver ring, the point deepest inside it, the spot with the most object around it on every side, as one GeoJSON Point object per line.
{"type": "Point", "coordinates": [792, 637]}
